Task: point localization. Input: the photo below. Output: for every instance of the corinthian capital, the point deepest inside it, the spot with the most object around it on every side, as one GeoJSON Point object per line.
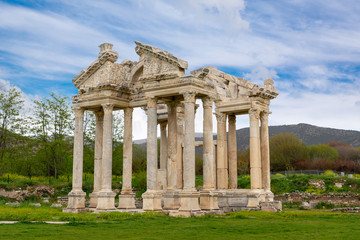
{"type": "Point", "coordinates": [254, 114]}
{"type": "Point", "coordinates": [79, 112]}
{"type": "Point", "coordinates": [151, 102]}
{"type": "Point", "coordinates": [264, 116]}
{"type": "Point", "coordinates": [189, 96]}
{"type": "Point", "coordinates": [99, 115]}
{"type": "Point", "coordinates": [207, 102]}
{"type": "Point", "coordinates": [108, 107]}
{"type": "Point", "coordinates": [220, 117]}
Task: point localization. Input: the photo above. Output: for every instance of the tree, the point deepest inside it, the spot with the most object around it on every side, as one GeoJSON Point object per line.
{"type": "Point", "coordinates": [53, 128]}
{"type": "Point", "coordinates": [285, 150]}
{"type": "Point", "coordinates": [322, 151]}
{"type": "Point", "coordinates": [11, 102]}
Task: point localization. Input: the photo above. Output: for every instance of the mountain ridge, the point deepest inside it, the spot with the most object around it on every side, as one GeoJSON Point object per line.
{"type": "Point", "coordinates": [309, 134]}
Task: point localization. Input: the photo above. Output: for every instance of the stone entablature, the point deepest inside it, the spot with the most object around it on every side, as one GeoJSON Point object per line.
{"type": "Point", "coordinates": [158, 84]}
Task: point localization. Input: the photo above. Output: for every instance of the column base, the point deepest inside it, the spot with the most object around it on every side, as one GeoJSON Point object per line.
{"type": "Point", "coordinates": [189, 201]}
{"type": "Point", "coordinates": [209, 200]}
{"type": "Point", "coordinates": [151, 200]}
{"type": "Point", "coordinates": [171, 200]}
{"type": "Point", "coordinates": [93, 199]}
{"type": "Point", "coordinates": [106, 201]}
{"type": "Point", "coordinates": [127, 201]}
{"type": "Point", "coordinates": [76, 202]}
{"type": "Point", "coordinates": [269, 196]}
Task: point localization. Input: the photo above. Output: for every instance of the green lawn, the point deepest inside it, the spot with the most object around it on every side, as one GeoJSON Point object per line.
{"type": "Point", "coordinates": [239, 225]}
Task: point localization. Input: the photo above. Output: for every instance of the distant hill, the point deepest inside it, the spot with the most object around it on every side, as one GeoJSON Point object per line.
{"type": "Point", "coordinates": [309, 134]}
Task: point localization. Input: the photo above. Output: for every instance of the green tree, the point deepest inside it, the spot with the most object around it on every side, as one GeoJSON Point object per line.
{"type": "Point", "coordinates": [11, 102]}
{"type": "Point", "coordinates": [53, 128]}
{"type": "Point", "coordinates": [285, 150]}
{"type": "Point", "coordinates": [322, 151]}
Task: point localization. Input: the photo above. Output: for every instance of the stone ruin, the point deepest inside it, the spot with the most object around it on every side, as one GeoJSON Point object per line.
{"type": "Point", "coordinates": [158, 84]}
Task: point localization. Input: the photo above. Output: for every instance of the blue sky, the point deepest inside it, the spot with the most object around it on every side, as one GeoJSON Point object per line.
{"type": "Point", "coordinates": [311, 48]}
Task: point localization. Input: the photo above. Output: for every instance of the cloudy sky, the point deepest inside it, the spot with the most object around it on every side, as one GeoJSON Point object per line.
{"type": "Point", "coordinates": [311, 48]}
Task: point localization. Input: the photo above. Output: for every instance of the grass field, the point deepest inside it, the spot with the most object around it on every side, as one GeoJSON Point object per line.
{"type": "Point", "coordinates": [289, 224]}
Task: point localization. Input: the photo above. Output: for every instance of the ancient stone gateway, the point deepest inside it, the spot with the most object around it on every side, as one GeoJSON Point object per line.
{"type": "Point", "coordinates": [157, 83]}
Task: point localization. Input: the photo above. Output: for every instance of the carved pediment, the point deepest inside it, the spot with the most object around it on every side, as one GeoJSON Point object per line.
{"type": "Point", "coordinates": [156, 62]}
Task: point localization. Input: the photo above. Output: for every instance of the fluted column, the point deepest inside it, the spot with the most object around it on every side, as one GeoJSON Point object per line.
{"type": "Point", "coordinates": [221, 173]}
{"type": "Point", "coordinates": [151, 198]}
{"type": "Point", "coordinates": [127, 197]}
{"type": "Point", "coordinates": [208, 145]}
{"type": "Point", "coordinates": [97, 157]}
{"type": "Point", "coordinates": [255, 161]}
{"type": "Point", "coordinates": [265, 154]}
{"type": "Point", "coordinates": [106, 197]}
{"type": "Point", "coordinates": [172, 145]}
{"type": "Point", "coordinates": [76, 200]}
{"type": "Point", "coordinates": [232, 153]}
{"type": "Point", "coordinates": [189, 197]}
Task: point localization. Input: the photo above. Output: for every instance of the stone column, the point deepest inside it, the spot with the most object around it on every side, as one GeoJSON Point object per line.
{"type": "Point", "coordinates": [179, 148]}
{"type": "Point", "coordinates": [265, 154]}
{"type": "Point", "coordinates": [232, 153]}
{"type": "Point", "coordinates": [127, 197]}
{"type": "Point", "coordinates": [163, 145]}
{"type": "Point", "coordinates": [255, 161]}
{"type": "Point", "coordinates": [172, 144]}
{"type": "Point", "coordinates": [152, 197]}
{"type": "Point", "coordinates": [189, 197]}
{"type": "Point", "coordinates": [162, 171]}
{"type": "Point", "coordinates": [76, 202]}
{"type": "Point", "coordinates": [208, 145]}
{"type": "Point", "coordinates": [97, 158]}
{"type": "Point", "coordinates": [208, 197]}
{"type": "Point", "coordinates": [106, 197]}
{"type": "Point", "coordinates": [171, 195]}
{"type": "Point", "coordinates": [221, 173]}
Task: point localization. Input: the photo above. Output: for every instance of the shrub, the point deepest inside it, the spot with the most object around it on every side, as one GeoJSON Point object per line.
{"type": "Point", "coordinates": [285, 150]}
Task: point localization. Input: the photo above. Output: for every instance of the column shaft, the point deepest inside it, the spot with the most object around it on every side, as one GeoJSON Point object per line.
{"type": "Point", "coordinates": [151, 145]}
{"type": "Point", "coordinates": [98, 149]}
{"type": "Point", "coordinates": [208, 146]}
{"type": "Point", "coordinates": [172, 146]}
{"type": "Point", "coordinates": [265, 153]}
{"type": "Point", "coordinates": [189, 142]}
{"type": "Point", "coordinates": [163, 146]}
{"type": "Point", "coordinates": [127, 152]}
{"type": "Point", "coordinates": [255, 161]}
{"type": "Point", "coordinates": [106, 173]}
{"type": "Point", "coordinates": [232, 153]}
{"type": "Point", "coordinates": [78, 150]}
{"type": "Point", "coordinates": [221, 173]}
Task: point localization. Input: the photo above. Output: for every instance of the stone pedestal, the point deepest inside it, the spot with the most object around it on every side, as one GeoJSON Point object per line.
{"type": "Point", "coordinates": [209, 200]}
{"type": "Point", "coordinates": [93, 199]}
{"type": "Point", "coordinates": [189, 201]}
{"type": "Point", "coordinates": [127, 201]}
{"type": "Point", "coordinates": [171, 200]}
{"type": "Point", "coordinates": [106, 201]}
{"type": "Point", "coordinates": [76, 202]}
{"type": "Point", "coordinates": [151, 200]}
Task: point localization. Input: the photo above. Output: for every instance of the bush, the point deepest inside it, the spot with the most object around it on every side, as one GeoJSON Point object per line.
{"type": "Point", "coordinates": [322, 151]}
{"type": "Point", "coordinates": [139, 183]}
{"type": "Point", "coordinates": [285, 150]}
